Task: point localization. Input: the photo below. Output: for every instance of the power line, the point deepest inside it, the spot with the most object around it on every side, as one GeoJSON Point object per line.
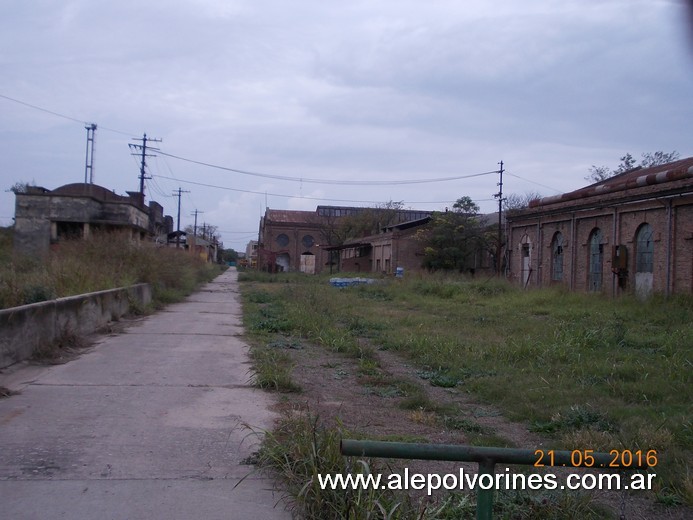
{"type": "Point", "coordinates": [328, 181]}
{"type": "Point", "coordinates": [215, 186]}
{"type": "Point", "coordinates": [534, 182]}
{"type": "Point", "coordinates": [58, 114]}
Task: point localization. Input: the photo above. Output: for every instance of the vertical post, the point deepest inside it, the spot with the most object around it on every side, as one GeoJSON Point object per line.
{"type": "Point", "coordinates": [195, 225]}
{"type": "Point", "coordinates": [178, 194]}
{"type": "Point", "coordinates": [144, 154]}
{"type": "Point", "coordinates": [499, 245]}
{"type": "Point", "coordinates": [178, 222]}
{"type": "Point", "coordinates": [484, 497]}
{"type": "Point", "coordinates": [670, 245]}
{"type": "Point", "coordinates": [89, 160]}
{"type": "Point", "coordinates": [143, 158]}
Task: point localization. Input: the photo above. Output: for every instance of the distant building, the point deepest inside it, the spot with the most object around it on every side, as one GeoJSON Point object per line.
{"type": "Point", "coordinates": [630, 233]}
{"type": "Point", "coordinates": [396, 246]}
{"type": "Point", "coordinates": [251, 254]}
{"type": "Point", "coordinates": [44, 217]}
{"type": "Point", "coordinates": [306, 241]}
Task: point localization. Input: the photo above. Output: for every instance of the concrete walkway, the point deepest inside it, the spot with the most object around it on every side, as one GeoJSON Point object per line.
{"type": "Point", "coordinates": [147, 425]}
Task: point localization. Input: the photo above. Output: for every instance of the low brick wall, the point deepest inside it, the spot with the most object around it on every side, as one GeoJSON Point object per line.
{"type": "Point", "coordinates": [26, 328]}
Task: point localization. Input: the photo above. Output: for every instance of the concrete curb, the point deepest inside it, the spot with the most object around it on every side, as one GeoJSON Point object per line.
{"type": "Point", "coordinates": [27, 328]}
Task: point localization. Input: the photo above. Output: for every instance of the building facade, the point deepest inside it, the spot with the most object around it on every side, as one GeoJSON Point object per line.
{"type": "Point", "coordinates": [44, 217]}
{"type": "Point", "coordinates": [397, 246]}
{"type": "Point", "coordinates": [307, 241]}
{"type": "Point", "coordinates": [630, 233]}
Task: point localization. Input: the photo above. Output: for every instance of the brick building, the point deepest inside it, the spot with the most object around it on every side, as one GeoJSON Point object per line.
{"type": "Point", "coordinates": [630, 233]}
{"type": "Point", "coordinates": [306, 241]}
{"type": "Point", "coordinates": [44, 217]}
{"type": "Point", "coordinates": [397, 246]}
{"type": "Point", "coordinates": [290, 241]}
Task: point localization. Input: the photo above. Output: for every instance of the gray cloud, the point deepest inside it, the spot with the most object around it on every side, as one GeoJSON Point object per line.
{"type": "Point", "coordinates": [362, 89]}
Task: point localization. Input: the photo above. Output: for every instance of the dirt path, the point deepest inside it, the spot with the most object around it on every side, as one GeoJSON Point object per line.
{"type": "Point", "coordinates": [368, 402]}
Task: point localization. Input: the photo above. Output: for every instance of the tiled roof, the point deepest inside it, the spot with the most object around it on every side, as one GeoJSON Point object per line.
{"type": "Point", "coordinates": [290, 216]}
{"type": "Point", "coordinates": [635, 178]}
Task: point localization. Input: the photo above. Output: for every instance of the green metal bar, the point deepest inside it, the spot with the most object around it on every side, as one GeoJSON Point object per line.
{"type": "Point", "coordinates": [484, 497]}
{"type": "Point", "coordinates": [487, 458]}
{"type": "Point", "coordinates": [456, 452]}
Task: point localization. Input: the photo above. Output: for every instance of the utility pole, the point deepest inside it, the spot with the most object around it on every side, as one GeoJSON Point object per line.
{"type": "Point", "coordinates": [89, 161]}
{"type": "Point", "coordinates": [499, 245]}
{"type": "Point", "coordinates": [196, 212]}
{"type": "Point", "coordinates": [144, 155]}
{"type": "Point", "coordinates": [177, 193]}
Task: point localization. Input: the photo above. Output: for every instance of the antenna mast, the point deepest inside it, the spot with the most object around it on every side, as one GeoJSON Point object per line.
{"type": "Point", "coordinates": [89, 160]}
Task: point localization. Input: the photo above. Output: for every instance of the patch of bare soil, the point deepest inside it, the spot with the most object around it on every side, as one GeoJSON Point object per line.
{"type": "Point", "coordinates": [338, 393]}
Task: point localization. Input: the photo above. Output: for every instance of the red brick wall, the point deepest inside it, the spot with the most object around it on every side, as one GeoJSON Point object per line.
{"type": "Point", "coordinates": [671, 220]}
{"type": "Point", "coordinates": [295, 247]}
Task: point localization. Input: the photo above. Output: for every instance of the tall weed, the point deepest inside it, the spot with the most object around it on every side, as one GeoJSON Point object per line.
{"type": "Point", "coordinates": [103, 261]}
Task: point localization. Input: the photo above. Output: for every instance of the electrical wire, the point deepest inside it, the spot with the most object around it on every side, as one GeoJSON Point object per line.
{"type": "Point", "coordinates": [168, 167]}
{"type": "Point", "coordinates": [58, 114]}
{"type": "Point", "coordinates": [326, 181]}
{"type": "Point", "coordinates": [296, 196]}
{"type": "Point", "coordinates": [533, 182]}
{"type": "Point", "coordinates": [271, 176]}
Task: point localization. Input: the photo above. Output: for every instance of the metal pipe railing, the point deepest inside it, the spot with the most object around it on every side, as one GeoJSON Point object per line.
{"type": "Point", "coordinates": [488, 457]}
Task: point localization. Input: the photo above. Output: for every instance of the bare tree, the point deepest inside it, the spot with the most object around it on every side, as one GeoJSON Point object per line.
{"type": "Point", "coordinates": [515, 201]}
{"type": "Point", "coordinates": [628, 162]}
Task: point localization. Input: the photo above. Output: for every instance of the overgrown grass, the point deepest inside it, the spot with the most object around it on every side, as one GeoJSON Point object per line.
{"type": "Point", "coordinates": [589, 371]}
{"type": "Point", "coordinates": [301, 449]}
{"type": "Point", "coordinates": [104, 261]}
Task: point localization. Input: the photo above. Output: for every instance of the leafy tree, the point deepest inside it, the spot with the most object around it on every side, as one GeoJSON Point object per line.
{"type": "Point", "coordinates": [453, 238]}
{"type": "Point", "coordinates": [229, 255]}
{"type": "Point", "coordinates": [601, 173]}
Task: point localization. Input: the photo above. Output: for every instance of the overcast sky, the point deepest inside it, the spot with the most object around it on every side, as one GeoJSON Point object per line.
{"type": "Point", "coordinates": [376, 90]}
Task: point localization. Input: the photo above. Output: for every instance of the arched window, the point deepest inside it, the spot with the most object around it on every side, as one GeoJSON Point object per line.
{"type": "Point", "coordinates": [282, 240]}
{"type": "Point", "coordinates": [644, 249]}
{"type": "Point", "coordinates": [596, 260]}
{"type": "Point", "coordinates": [557, 257]}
